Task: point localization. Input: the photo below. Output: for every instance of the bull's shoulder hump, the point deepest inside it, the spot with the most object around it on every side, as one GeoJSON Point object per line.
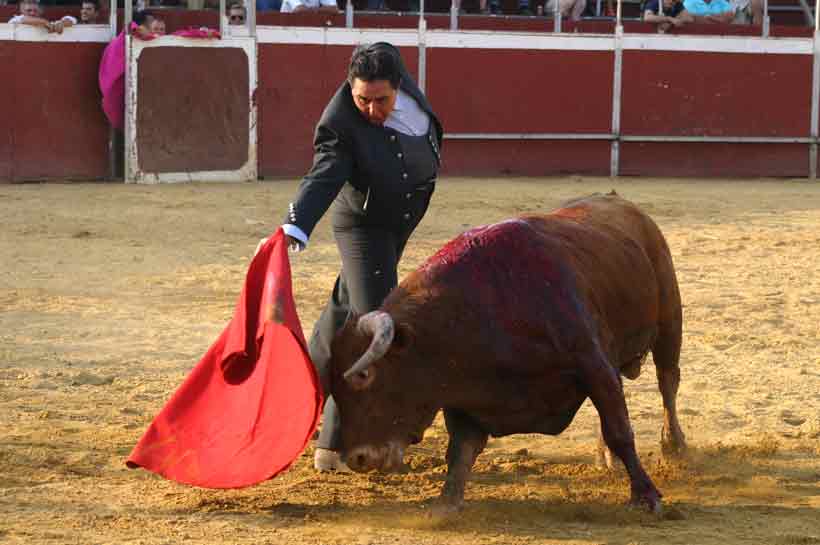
{"type": "Point", "coordinates": [479, 241]}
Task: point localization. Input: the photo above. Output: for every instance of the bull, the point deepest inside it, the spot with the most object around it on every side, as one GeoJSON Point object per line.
{"type": "Point", "coordinates": [508, 329]}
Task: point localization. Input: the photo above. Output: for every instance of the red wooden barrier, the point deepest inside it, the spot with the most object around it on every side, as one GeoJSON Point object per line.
{"type": "Point", "coordinates": [714, 159]}
{"type": "Point", "coordinates": [53, 126]}
{"type": "Point", "coordinates": [715, 94]}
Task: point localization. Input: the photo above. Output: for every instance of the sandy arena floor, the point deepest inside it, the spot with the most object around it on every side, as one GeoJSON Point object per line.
{"type": "Point", "coordinates": [110, 293]}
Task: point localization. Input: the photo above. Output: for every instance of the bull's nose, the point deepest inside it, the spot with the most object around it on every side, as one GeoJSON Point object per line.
{"type": "Point", "coordinates": [358, 460]}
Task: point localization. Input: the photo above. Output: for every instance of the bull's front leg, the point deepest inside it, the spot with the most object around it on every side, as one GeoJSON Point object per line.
{"type": "Point", "coordinates": [604, 386]}
{"type": "Point", "coordinates": [467, 440]}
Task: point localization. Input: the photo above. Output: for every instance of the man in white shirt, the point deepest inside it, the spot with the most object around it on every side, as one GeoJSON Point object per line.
{"type": "Point", "coordinates": [297, 6]}
{"type": "Point", "coordinates": [32, 15]}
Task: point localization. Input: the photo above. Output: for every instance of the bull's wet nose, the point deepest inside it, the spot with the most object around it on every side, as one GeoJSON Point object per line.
{"type": "Point", "coordinates": [358, 460]}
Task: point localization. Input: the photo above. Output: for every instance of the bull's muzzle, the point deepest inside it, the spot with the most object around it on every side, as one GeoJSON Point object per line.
{"type": "Point", "coordinates": [387, 459]}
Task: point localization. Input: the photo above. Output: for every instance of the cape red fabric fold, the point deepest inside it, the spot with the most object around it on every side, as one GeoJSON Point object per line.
{"type": "Point", "coordinates": [250, 406]}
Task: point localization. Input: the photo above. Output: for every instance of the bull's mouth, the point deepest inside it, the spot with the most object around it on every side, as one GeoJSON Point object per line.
{"type": "Point", "coordinates": [387, 458]}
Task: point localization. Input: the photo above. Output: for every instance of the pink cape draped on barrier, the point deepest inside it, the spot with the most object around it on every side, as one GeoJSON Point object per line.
{"type": "Point", "coordinates": [112, 71]}
{"type": "Point", "coordinates": [250, 406]}
{"type": "Point", "coordinates": [112, 81]}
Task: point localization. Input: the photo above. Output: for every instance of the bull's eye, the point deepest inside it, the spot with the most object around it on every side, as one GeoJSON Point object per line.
{"type": "Point", "coordinates": [364, 374]}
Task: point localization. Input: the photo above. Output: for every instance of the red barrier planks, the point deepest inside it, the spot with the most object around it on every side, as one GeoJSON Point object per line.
{"type": "Point", "coordinates": [715, 94]}
{"type": "Point", "coordinates": [521, 91]}
{"type": "Point", "coordinates": [679, 159]}
{"type": "Point", "coordinates": [525, 157]}
{"type": "Point", "coordinates": [7, 107]}
{"type": "Point", "coordinates": [59, 130]}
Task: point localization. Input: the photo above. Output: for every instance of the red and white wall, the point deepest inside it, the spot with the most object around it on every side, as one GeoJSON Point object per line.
{"type": "Point", "coordinates": [512, 103]}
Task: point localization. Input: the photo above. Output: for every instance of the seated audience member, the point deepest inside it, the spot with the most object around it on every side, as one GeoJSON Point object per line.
{"type": "Point", "coordinates": [236, 14]}
{"type": "Point", "coordinates": [674, 14]}
{"type": "Point", "coordinates": [488, 7]}
{"type": "Point", "coordinates": [143, 19]}
{"type": "Point", "coordinates": [570, 9]}
{"type": "Point", "coordinates": [377, 5]}
{"type": "Point", "coordinates": [710, 11]}
{"type": "Point", "coordinates": [158, 27]}
{"type": "Point", "coordinates": [268, 5]}
{"type": "Point", "coordinates": [303, 6]}
{"type": "Point", "coordinates": [31, 14]}
{"type": "Point", "coordinates": [89, 12]}
{"type": "Point", "coordinates": [748, 11]}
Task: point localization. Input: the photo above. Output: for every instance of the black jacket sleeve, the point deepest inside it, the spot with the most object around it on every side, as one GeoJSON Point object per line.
{"type": "Point", "coordinates": [332, 167]}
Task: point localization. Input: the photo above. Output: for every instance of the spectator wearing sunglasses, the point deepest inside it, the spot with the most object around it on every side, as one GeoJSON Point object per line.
{"type": "Point", "coordinates": [236, 14]}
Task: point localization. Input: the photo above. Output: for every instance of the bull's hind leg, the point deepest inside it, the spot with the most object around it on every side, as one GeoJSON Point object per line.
{"type": "Point", "coordinates": [666, 354]}
{"type": "Point", "coordinates": [604, 387]}
{"type": "Point", "coordinates": [467, 440]}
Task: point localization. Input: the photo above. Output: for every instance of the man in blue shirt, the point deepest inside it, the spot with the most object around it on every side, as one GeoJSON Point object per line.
{"type": "Point", "coordinates": [710, 11]}
{"type": "Point", "coordinates": [268, 5]}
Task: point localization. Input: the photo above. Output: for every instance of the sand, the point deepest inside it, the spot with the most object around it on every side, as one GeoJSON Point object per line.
{"type": "Point", "coordinates": [110, 293]}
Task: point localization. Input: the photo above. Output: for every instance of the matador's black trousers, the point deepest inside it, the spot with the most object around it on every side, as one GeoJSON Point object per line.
{"type": "Point", "coordinates": [370, 257]}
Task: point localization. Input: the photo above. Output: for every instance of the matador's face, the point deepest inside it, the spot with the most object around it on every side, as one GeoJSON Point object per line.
{"type": "Point", "coordinates": [375, 99]}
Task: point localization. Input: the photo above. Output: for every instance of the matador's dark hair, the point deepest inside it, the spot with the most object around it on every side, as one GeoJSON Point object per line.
{"type": "Point", "coordinates": [379, 61]}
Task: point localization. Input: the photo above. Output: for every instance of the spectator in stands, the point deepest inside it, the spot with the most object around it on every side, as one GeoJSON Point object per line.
{"type": "Point", "coordinates": [570, 9]}
{"type": "Point", "coordinates": [674, 14]}
{"type": "Point", "coordinates": [297, 6]}
{"type": "Point", "coordinates": [487, 6]}
{"type": "Point", "coordinates": [748, 11]}
{"type": "Point", "coordinates": [158, 26]}
{"type": "Point", "coordinates": [32, 15]}
{"type": "Point", "coordinates": [89, 12]}
{"type": "Point", "coordinates": [143, 20]}
{"type": "Point", "coordinates": [268, 5]}
{"type": "Point", "coordinates": [710, 11]}
{"type": "Point", "coordinates": [379, 5]}
{"type": "Point", "coordinates": [236, 13]}
{"type": "Point", "coordinates": [494, 7]}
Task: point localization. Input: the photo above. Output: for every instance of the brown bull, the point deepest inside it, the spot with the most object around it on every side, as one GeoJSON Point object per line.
{"type": "Point", "coordinates": [509, 328]}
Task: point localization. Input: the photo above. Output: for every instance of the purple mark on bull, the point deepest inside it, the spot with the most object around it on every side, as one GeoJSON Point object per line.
{"type": "Point", "coordinates": [501, 267]}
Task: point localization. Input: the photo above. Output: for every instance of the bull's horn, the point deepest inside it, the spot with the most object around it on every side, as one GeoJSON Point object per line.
{"type": "Point", "coordinates": [380, 325]}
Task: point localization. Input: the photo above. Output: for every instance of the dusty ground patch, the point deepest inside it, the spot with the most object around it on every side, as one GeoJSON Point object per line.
{"type": "Point", "coordinates": [110, 293]}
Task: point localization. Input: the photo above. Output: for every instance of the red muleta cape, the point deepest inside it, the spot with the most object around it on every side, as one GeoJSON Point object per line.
{"type": "Point", "coordinates": [251, 405]}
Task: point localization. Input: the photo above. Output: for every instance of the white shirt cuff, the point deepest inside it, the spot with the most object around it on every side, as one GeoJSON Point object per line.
{"type": "Point", "coordinates": [293, 231]}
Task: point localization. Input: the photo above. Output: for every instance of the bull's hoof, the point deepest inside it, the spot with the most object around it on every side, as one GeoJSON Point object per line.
{"type": "Point", "coordinates": [650, 501]}
{"type": "Point", "coordinates": [605, 460]}
{"type": "Point", "coordinates": [673, 449]}
{"type": "Point", "coordinates": [673, 445]}
{"type": "Point", "coordinates": [440, 510]}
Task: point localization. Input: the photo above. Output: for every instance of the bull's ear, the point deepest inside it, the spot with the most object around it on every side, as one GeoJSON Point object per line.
{"type": "Point", "coordinates": [403, 338]}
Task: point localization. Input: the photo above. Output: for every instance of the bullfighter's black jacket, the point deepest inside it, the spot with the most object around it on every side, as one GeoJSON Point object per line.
{"type": "Point", "coordinates": [360, 165]}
